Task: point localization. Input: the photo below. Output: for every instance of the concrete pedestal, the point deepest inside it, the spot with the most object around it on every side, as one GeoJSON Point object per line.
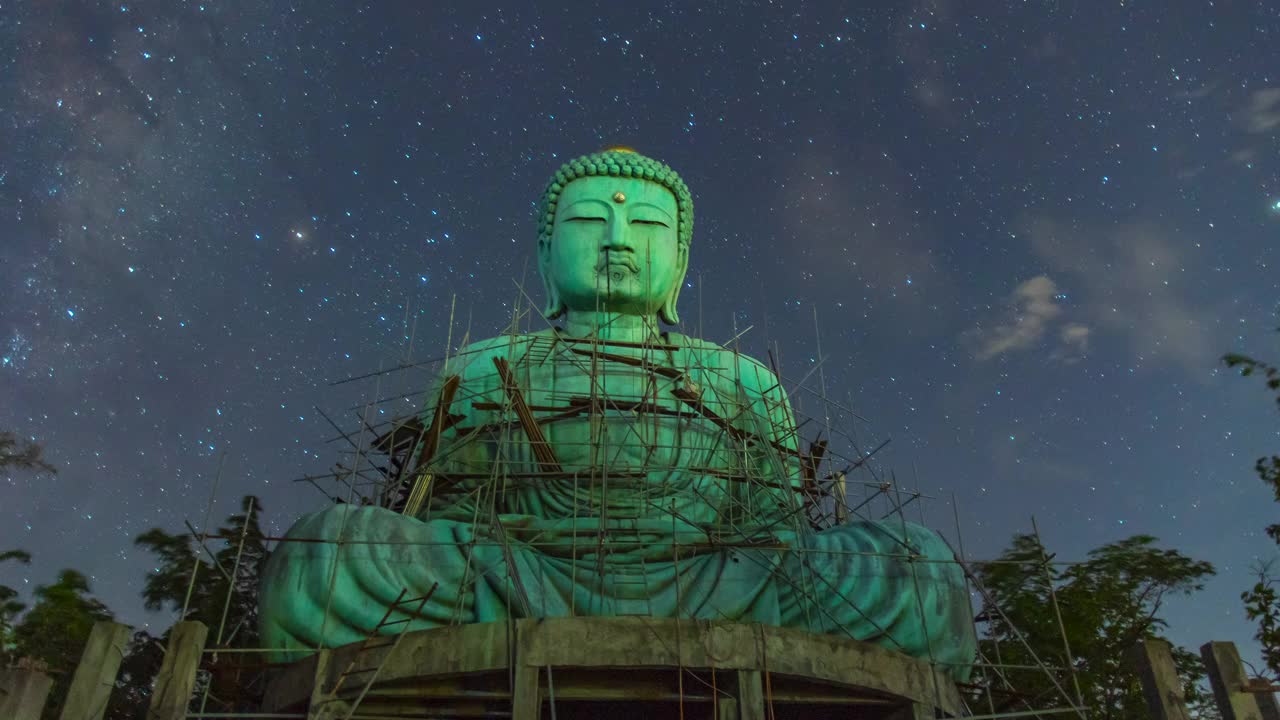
{"type": "Point", "coordinates": [618, 668]}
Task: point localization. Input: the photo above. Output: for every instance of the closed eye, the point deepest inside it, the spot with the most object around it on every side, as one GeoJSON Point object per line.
{"type": "Point", "coordinates": [584, 218]}
{"type": "Point", "coordinates": [650, 222]}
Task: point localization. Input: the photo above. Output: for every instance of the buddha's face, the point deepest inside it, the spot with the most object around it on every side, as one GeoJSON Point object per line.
{"type": "Point", "coordinates": [614, 246]}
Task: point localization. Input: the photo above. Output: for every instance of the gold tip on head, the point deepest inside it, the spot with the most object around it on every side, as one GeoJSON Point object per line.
{"type": "Point", "coordinates": [619, 197]}
{"type": "Point", "coordinates": [619, 149]}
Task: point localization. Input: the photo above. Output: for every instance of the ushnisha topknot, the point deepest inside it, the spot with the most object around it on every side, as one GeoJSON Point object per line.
{"type": "Point", "coordinates": [617, 161]}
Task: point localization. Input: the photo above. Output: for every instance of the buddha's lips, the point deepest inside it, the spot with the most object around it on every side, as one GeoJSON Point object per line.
{"type": "Point", "coordinates": [608, 260]}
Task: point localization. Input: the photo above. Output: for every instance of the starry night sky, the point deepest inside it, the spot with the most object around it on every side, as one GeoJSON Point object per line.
{"type": "Point", "coordinates": [1028, 235]}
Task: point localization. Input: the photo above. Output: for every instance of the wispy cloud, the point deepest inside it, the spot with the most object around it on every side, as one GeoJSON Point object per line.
{"type": "Point", "coordinates": [1263, 112]}
{"type": "Point", "coordinates": [1033, 309]}
{"type": "Point", "coordinates": [1074, 343]}
{"type": "Point", "coordinates": [1128, 281]}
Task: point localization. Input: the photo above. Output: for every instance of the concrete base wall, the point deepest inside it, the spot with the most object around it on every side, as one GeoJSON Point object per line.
{"type": "Point", "coordinates": [732, 667]}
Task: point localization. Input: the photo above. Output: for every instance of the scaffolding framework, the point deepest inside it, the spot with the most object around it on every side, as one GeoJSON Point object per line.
{"type": "Point", "coordinates": [409, 463]}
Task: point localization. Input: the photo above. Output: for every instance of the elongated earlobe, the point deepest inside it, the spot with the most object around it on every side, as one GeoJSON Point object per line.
{"type": "Point", "coordinates": [667, 313]}
{"type": "Point", "coordinates": [554, 307]}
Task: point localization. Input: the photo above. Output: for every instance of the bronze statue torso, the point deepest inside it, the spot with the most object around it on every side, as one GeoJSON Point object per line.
{"type": "Point", "coordinates": [675, 428]}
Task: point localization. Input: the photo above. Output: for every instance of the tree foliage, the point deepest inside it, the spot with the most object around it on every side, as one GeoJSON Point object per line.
{"type": "Point", "coordinates": [219, 587]}
{"type": "Point", "coordinates": [56, 628]}
{"type": "Point", "coordinates": [1268, 468]}
{"type": "Point", "coordinates": [15, 454]}
{"type": "Point", "coordinates": [1108, 603]}
{"type": "Point", "coordinates": [10, 608]}
{"type": "Point", "coordinates": [1261, 604]}
{"type": "Point", "coordinates": [132, 694]}
{"type": "Point", "coordinates": [22, 454]}
{"type": "Point", "coordinates": [222, 593]}
{"type": "Point", "coordinates": [227, 580]}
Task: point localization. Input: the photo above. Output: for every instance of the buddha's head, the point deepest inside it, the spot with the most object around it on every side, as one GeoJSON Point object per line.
{"type": "Point", "coordinates": [613, 236]}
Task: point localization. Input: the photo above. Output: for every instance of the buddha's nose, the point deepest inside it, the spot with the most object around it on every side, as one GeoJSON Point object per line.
{"type": "Point", "coordinates": [618, 236]}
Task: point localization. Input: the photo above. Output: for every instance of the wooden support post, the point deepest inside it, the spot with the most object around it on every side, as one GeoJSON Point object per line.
{"type": "Point", "coordinates": [95, 676]}
{"type": "Point", "coordinates": [750, 696]}
{"type": "Point", "coordinates": [440, 421]}
{"type": "Point", "coordinates": [842, 501]}
{"type": "Point", "coordinates": [1226, 675]}
{"type": "Point", "coordinates": [543, 452]}
{"type": "Point", "coordinates": [177, 677]}
{"type": "Point", "coordinates": [23, 692]}
{"type": "Point", "coordinates": [1161, 685]}
{"type": "Point", "coordinates": [526, 696]}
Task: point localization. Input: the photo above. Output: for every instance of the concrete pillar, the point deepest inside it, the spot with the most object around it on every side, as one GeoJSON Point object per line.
{"type": "Point", "coordinates": [1267, 705]}
{"type": "Point", "coordinates": [1161, 685]}
{"type": "Point", "coordinates": [1226, 675]}
{"type": "Point", "coordinates": [177, 677]}
{"type": "Point", "coordinates": [322, 706]}
{"type": "Point", "coordinates": [750, 695]}
{"type": "Point", "coordinates": [526, 696]}
{"type": "Point", "coordinates": [22, 693]}
{"type": "Point", "coordinates": [95, 676]}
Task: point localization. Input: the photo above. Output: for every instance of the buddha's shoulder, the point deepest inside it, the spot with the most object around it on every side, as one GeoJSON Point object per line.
{"type": "Point", "coordinates": [725, 361]}
{"type": "Point", "coordinates": [477, 357]}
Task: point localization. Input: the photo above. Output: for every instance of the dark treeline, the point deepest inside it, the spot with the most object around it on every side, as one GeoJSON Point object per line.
{"type": "Point", "coordinates": [218, 587]}
{"type": "Point", "coordinates": [1051, 634]}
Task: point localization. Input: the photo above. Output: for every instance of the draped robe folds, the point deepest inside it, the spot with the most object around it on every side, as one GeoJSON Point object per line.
{"type": "Point", "coordinates": [655, 505]}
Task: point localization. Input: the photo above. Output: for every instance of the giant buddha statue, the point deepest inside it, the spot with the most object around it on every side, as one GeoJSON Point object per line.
{"type": "Point", "coordinates": [606, 466]}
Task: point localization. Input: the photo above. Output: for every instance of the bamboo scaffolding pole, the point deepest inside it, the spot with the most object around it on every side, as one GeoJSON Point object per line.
{"type": "Point", "coordinates": [1057, 614]}
{"type": "Point", "coordinates": [204, 536]}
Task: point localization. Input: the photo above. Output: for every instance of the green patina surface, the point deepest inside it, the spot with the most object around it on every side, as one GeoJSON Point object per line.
{"type": "Point", "coordinates": [671, 486]}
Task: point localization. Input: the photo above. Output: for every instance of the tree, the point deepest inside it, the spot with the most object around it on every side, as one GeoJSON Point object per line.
{"type": "Point", "coordinates": [222, 593]}
{"type": "Point", "coordinates": [1263, 607]}
{"type": "Point", "coordinates": [57, 626]}
{"type": "Point", "coordinates": [1261, 603]}
{"type": "Point", "coordinates": [1267, 468]}
{"type": "Point", "coordinates": [1107, 603]}
{"type": "Point", "coordinates": [55, 632]}
{"type": "Point", "coordinates": [132, 695]}
{"type": "Point", "coordinates": [56, 629]}
{"type": "Point", "coordinates": [10, 607]}
{"type": "Point", "coordinates": [227, 582]}
{"type": "Point", "coordinates": [22, 454]}
{"type": "Point", "coordinates": [19, 455]}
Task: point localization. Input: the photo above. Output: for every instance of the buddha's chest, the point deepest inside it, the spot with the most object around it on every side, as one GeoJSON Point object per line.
{"type": "Point", "coordinates": [630, 411]}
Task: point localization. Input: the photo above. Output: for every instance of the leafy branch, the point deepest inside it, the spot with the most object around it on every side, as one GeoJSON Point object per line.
{"type": "Point", "coordinates": [22, 454]}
